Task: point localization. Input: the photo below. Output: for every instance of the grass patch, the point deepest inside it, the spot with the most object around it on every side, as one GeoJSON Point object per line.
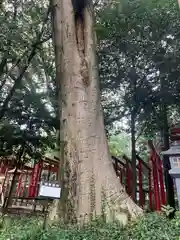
{"type": "Point", "coordinates": [151, 226]}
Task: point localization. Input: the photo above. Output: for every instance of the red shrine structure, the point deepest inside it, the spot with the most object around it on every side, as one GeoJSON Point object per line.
{"type": "Point", "coordinates": [27, 178]}
{"type": "Point", "coordinates": [150, 182]}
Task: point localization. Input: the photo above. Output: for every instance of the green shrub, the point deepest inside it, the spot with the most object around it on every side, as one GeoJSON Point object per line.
{"type": "Point", "coordinates": [154, 226]}
{"type": "Point", "coordinates": [151, 226]}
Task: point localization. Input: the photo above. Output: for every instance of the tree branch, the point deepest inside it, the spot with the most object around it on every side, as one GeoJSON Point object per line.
{"type": "Point", "coordinates": [19, 79]}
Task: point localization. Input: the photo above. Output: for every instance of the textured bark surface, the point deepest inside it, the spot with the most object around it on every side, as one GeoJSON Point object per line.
{"type": "Point", "coordinates": [91, 186]}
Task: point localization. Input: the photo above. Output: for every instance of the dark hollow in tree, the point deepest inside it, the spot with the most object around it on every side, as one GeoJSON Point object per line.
{"type": "Point", "coordinates": [79, 6]}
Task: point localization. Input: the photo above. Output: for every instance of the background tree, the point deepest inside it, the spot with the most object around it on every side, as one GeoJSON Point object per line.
{"type": "Point", "coordinates": [27, 100]}
{"type": "Point", "coordinates": [143, 36]}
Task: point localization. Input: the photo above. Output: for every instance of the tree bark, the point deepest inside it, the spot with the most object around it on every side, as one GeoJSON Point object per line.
{"type": "Point", "coordinates": [169, 184]}
{"type": "Point", "coordinates": [8, 201]}
{"type": "Point", "coordinates": [170, 198]}
{"type": "Point", "coordinates": [134, 108]}
{"type": "Point", "coordinates": [133, 156]}
{"type": "Point", "coordinates": [90, 181]}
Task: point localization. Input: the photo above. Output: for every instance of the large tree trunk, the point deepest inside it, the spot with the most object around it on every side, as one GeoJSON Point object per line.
{"type": "Point", "coordinates": [91, 185]}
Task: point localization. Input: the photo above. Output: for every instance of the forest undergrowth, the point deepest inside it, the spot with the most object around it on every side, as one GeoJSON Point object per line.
{"type": "Point", "coordinates": [151, 226]}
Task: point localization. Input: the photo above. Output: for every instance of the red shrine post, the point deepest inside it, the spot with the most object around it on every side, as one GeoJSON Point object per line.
{"type": "Point", "coordinates": [34, 179]}
{"type": "Point", "coordinates": [158, 193]}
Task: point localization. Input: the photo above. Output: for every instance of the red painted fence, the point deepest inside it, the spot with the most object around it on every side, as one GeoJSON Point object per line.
{"type": "Point", "coordinates": [150, 184]}
{"type": "Point", "coordinates": [27, 178]}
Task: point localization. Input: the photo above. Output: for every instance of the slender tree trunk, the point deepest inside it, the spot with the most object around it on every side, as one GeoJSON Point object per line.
{"type": "Point", "coordinates": [133, 156]}
{"type": "Point", "coordinates": [165, 136]}
{"type": "Point", "coordinates": [2, 66]}
{"type": "Point", "coordinates": [133, 85]}
{"type": "Point", "coordinates": [8, 202]}
{"type": "Point", "coordinates": [90, 181]}
{"type": "Point", "coordinates": [170, 198]}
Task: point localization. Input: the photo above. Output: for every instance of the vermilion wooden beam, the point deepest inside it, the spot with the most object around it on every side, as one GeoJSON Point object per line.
{"type": "Point", "coordinates": [141, 199]}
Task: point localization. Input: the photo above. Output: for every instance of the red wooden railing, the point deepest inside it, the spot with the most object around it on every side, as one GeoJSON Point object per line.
{"type": "Point", "coordinates": [27, 178]}
{"type": "Point", "coordinates": [124, 172]}
{"type": "Point", "coordinates": [150, 193]}
{"type": "Point", "coordinates": [157, 172]}
{"type": "Point", "coordinates": [152, 173]}
{"type": "Point", "coordinates": [144, 169]}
